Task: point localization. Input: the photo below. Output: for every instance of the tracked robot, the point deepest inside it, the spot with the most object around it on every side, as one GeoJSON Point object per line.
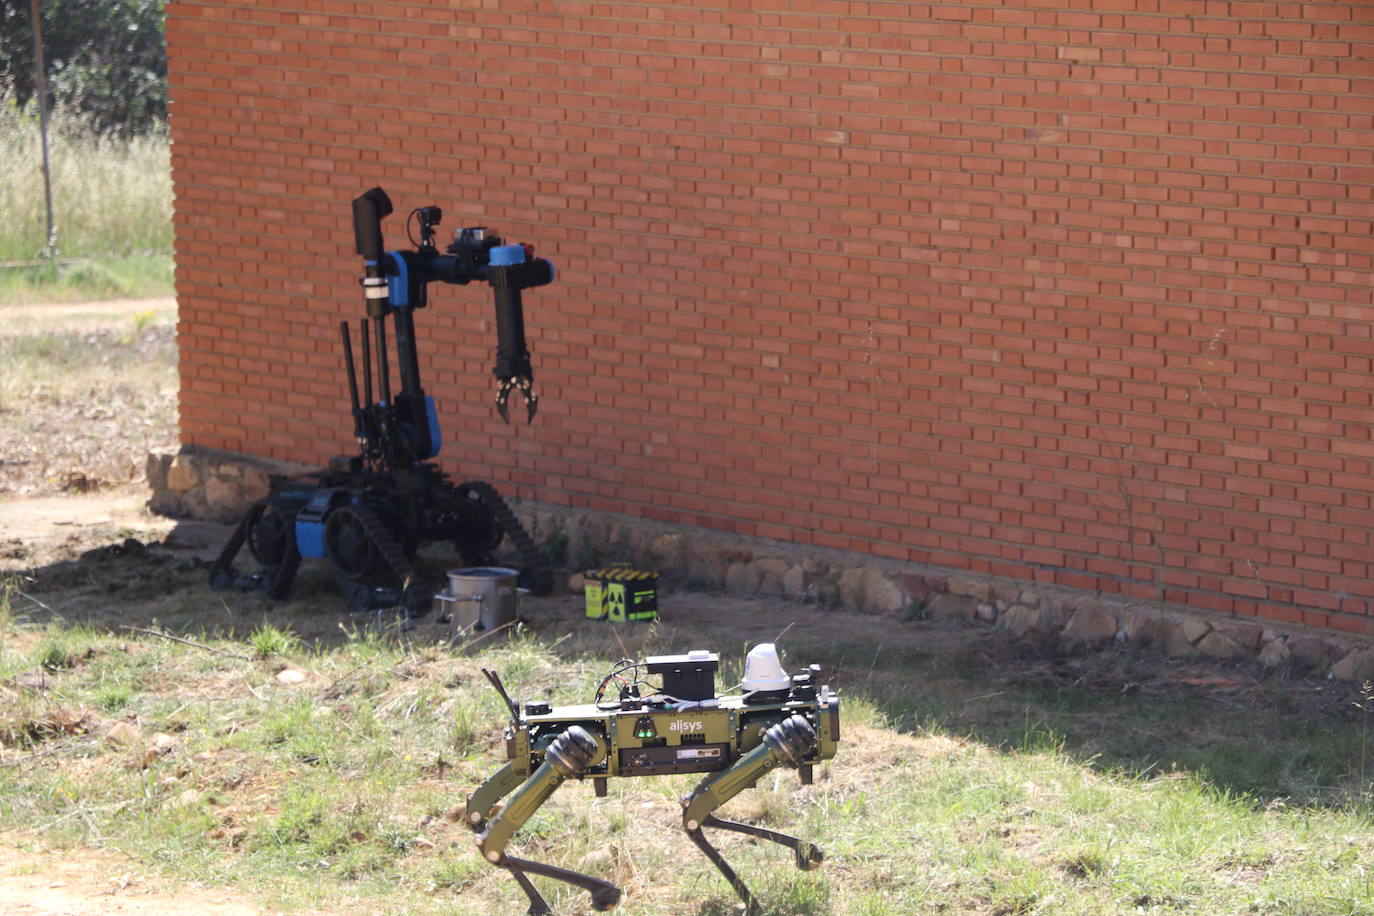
{"type": "Point", "coordinates": [368, 514]}
{"type": "Point", "coordinates": [678, 725]}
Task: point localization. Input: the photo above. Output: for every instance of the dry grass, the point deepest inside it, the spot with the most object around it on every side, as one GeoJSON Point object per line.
{"type": "Point", "coordinates": [344, 792]}
{"type": "Point", "coordinates": [110, 196]}
{"type": "Point", "coordinates": [80, 410]}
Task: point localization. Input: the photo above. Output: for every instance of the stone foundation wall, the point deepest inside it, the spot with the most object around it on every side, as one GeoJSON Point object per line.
{"type": "Point", "coordinates": [853, 582]}
{"type": "Point", "coordinates": [208, 484]}
{"type": "Point", "coordinates": [200, 483]}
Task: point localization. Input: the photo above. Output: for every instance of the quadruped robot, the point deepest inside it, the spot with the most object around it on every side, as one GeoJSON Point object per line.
{"type": "Point", "coordinates": [677, 726]}
{"type": "Point", "coordinates": [367, 514]}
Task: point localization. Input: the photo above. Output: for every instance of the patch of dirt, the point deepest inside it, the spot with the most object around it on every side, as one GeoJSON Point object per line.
{"type": "Point", "coordinates": [97, 883]}
{"type": "Point", "coordinates": [41, 531]}
{"type": "Point", "coordinates": [79, 412]}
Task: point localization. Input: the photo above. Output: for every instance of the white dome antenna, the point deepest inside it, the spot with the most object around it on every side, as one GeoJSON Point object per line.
{"type": "Point", "coordinates": [763, 670]}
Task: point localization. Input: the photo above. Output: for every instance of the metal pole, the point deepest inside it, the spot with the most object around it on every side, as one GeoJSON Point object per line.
{"type": "Point", "coordinates": [40, 80]}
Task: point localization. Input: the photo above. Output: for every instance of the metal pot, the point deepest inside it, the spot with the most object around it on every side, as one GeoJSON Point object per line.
{"type": "Point", "coordinates": [484, 597]}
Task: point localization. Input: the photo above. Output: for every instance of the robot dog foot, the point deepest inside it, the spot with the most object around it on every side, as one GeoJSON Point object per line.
{"type": "Point", "coordinates": [605, 895]}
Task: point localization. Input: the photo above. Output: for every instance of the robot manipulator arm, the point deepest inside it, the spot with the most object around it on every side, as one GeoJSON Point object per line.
{"type": "Point", "coordinates": [508, 269]}
{"type": "Point", "coordinates": [474, 255]}
{"type": "Point", "coordinates": [509, 273]}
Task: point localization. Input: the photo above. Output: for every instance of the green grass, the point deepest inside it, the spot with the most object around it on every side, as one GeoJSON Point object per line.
{"type": "Point", "coordinates": [112, 202]}
{"type": "Point", "coordinates": [339, 793]}
{"type": "Point", "coordinates": [135, 276]}
{"type": "Point", "coordinates": [267, 641]}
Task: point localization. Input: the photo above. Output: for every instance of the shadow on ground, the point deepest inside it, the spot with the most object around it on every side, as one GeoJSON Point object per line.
{"type": "Point", "coordinates": [1266, 736]}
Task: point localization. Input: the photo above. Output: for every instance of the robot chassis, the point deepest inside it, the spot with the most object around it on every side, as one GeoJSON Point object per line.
{"type": "Point", "coordinates": [368, 513]}
{"type": "Point", "coordinates": [681, 728]}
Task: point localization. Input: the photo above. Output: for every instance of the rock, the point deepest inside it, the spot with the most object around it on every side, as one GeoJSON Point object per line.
{"type": "Point", "coordinates": [1138, 626]}
{"type": "Point", "coordinates": [740, 579]}
{"type": "Point", "coordinates": [986, 613]}
{"type": "Point", "coordinates": [1275, 654]}
{"type": "Point", "coordinates": [189, 798]}
{"type": "Point", "coordinates": [1174, 639]}
{"type": "Point", "coordinates": [669, 552]}
{"type": "Point", "coordinates": [192, 503]}
{"type": "Point", "coordinates": [1248, 635]}
{"type": "Point", "coordinates": [1217, 645]}
{"type": "Point", "coordinates": [1055, 612]}
{"type": "Point", "coordinates": [1310, 651]}
{"type": "Point", "coordinates": [852, 588]}
{"type": "Point", "coordinates": [1030, 597]}
{"type": "Point", "coordinates": [1020, 619]}
{"type": "Point", "coordinates": [705, 567]}
{"type": "Point", "coordinates": [1194, 629]}
{"type": "Point", "coordinates": [1355, 666]}
{"type": "Point", "coordinates": [577, 583]}
{"type": "Point", "coordinates": [124, 734]}
{"type": "Point", "coordinates": [162, 742]}
{"type": "Point", "coordinates": [290, 676]}
{"type": "Point", "coordinates": [640, 542]}
{"type": "Point", "coordinates": [971, 588]}
{"type": "Point", "coordinates": [794, 584]}
{"type": "Point", "coordinates": [256, 484]}
{"type": "Point", "coordinates": [155, 468]}
{"type": "Point", "coordinates": [224, 498]}
{"type": "Point", "coordinates": [182, 474]}
{"type": "Point", "coordinates": [917, 591]}
{"type": "Point", "coordinates": [1090, 624]}
{"type": "Point", "coordinates": [770, 572]}
{"type": "Point", "coordinates": [948, 605]}
{"type": "Point", "coordinates": [1005, 595]}
{"type": "Point", "coordinates": [597, 860]}
{"type": "Point", "coordinates": [880, 593]}
{"type": "Point", "coordinates": [166, 502]}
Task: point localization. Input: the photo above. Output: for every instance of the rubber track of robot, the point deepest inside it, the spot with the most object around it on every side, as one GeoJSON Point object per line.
{"type": "Point", "coordinates": [381, 537]}
{"type": "Point", "coordinates": [536, 564]}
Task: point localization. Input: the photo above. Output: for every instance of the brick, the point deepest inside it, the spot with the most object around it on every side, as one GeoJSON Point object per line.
{"type": "Point", "coordinates": [846, 276]}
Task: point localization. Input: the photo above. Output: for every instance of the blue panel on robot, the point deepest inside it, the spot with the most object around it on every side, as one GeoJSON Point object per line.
{"type": "Point", "coordinates": [310, 539]}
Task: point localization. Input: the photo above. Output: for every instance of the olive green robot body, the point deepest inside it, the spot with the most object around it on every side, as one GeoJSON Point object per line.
{"type": "Point", "coordinates": [732, 740]}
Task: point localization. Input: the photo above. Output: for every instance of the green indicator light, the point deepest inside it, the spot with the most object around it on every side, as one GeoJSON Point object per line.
{"type": "Point", "coordinates": [644, 727]}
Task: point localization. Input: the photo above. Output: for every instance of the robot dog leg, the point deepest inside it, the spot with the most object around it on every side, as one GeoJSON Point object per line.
{"type": "Point", "coordinates": [789, 743]}
{"type": "Point", "coordinates": [571, 755]}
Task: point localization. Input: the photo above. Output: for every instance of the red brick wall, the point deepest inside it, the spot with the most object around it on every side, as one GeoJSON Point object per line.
{"type": "Point", "coordinates": [1075, 292]}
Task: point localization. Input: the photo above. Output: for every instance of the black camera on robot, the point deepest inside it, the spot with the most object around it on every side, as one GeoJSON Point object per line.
{"type": "Point", "coordinates": [474, 254]}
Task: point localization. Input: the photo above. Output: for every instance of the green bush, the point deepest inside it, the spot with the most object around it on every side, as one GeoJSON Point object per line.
{"type": "Point", "coordinates": [106, 60]}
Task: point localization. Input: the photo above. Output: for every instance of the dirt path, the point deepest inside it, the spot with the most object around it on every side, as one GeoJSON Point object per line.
{"type": "Point", "coordinates": [78, 316]}
{"type": "Point", "coordinates": [40, 530]}
{"type": "Point", "coordinates": [97, 883]}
